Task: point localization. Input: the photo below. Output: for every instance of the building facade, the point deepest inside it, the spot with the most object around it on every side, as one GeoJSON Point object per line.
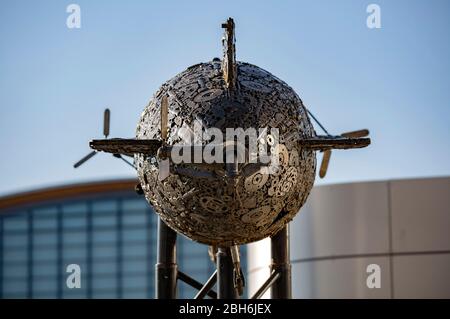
{"type": "Point", "coordinates": [386, 239]}
{"type": "Point", "coordinates": [105, 228]}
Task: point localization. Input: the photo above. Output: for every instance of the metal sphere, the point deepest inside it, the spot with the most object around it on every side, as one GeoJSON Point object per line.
{"type": "Point", "coordinates": [251, 207]}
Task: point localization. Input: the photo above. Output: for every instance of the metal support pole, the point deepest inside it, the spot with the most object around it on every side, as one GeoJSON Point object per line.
{"type": "Point", "coordinates": [195, 284]}
{"type": "Point", "coordinates": [206, 289]}
{"type": "Point", "coordinates": [266, 285]}
{"type": "Point", "coordinates": [281, 289]}
{"type": "Point", "coordinates": [225, 285]}
{"type": "Point", "coordinates": [166, 267]}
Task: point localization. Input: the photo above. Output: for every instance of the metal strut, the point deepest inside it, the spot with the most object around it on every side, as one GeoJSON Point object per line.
{"type": "Point", "coordinates": [206, 289]}
{"type": "Point", "coordinates": [166, 267]}
{"type": "Point", "coordinates": [280, 269]}
{"type": "Point", "coordinates": [281, 288]}
{"type": "Point", "coordinates": [266, 285]}
{"type": "Point", "coordinates": [229, 68]}
{"type": "Point", "coordinates": [225, 285]}
{"type": "Point", "coordinates": [197, 285]}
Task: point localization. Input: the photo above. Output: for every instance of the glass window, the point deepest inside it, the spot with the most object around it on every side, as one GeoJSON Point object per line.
{"type": "Point", "coordinates": [137, 250]}
{"type": "Point", "coordinates": [47, 286]}
{"type": "Point", "coordinates": [193, 264]}
{"type": "Point", "coordinates": [14, 271]}
{"type": "Point", "coordinates": [186, 291]}
{"type": "Point", "coordinates": [13, 241]}
{"type": "Point", "coordinates": [49, 294]}
{"type": "Point", "coordinates": [104, 206]}
{"type": "Point", "coordinates": [15, 288]}
{"type": "Point", "coordinates": [137, 253]}
{"type": "Point", "coordinates": [104, 282]}
{"type": "Point", "coordinates": [104, 267]}
{"type": "Point", "coordinates": [154, 236]}
{"type": "Point", "coordinates": [135, 266]}
{"type": "Point", "coordinates": [44, 223]}
{"type": "Point", "coordinates": [15, 223]}
{"type": "Point", "coordinates": [153, 217]}
{"type": "Point", "coordinates": [135, 293]}
{"type": "Point", "coordinates": [137, 204]}
{"type": "Point", "coordinates": [106, 294]}
{"type": "Point", "coordinates": [194, 259]}
{"type": "Point", "coordinates": [104, 251]}
{"type": "Point", "coordinates": [45, 254]}
{"type": "Point", "coordinates": [45, 212]}
{"type": "Point", "coordinates": [76, 208]}
{"type": "Point", "coordinates": [74, 222]}
{"type": "Point", "coordinates": [40, 239]}
{"type": "Point", "coordinates": [104, 236]}
{"type": "Point", "coordinates": [75, 293]}
{"type": "Point", "coordinates": [104, 220]}
{"type": "Point", "coordinates": [135, 282]}
{"type": "Point", "coordinates": [134, 219]}
{"type": "Point", "coordinates": [16, 255]}
{"type": "Point", "coordinates": [74, 238]}
{"type": "Point", "coordinates": [190, 247]}
{"type": "Point", "coordinates": [135, 234]}
{"type": "Point", "coordinates": [44, 269]}
{"type": "Point", "coordinates": [74, 253]}
{"type": "Point", "coordinates": [83, 267]}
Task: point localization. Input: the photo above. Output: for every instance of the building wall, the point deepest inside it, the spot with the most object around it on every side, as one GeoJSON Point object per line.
{"type": "Point", "coordinates": [402, 225]}
{"type": "Point", "coordinates": [109, 231]}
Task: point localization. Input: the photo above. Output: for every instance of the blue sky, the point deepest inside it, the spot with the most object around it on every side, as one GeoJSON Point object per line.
{"type": "Point", "coordinates": [55, 82]}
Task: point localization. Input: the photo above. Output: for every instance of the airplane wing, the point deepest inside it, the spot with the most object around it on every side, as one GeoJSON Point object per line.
{"type": "Point", "coordinates": [126, 146]}
{"type": "Point", "coordinates": [325, 142]}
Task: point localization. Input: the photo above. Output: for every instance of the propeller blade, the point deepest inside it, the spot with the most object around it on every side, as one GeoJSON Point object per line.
{"type": "Point", "coordinates": [356, 134]}
{"type": "Point", "coordinates": [84, 159]}
{"type": "Point", "coordinates": [106, 120]}
{"type": "Point", "coordinates": [164, 117]}
{"type": "Point", "coordinates": [324, 164]}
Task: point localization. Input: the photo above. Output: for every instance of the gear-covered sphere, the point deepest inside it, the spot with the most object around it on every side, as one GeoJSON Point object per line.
{"type": "Point", "coordinates": [254, 206]}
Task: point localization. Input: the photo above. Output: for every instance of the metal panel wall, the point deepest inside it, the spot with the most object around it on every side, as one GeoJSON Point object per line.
{"type": "Point", "coordinates": [402, 226]}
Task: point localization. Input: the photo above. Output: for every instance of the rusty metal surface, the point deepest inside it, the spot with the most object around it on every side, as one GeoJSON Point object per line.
{"type": "Point", "coordinates": [126, 146]}
{"type": "Point", "coordinates": [334, 142]}
{"type": "Point", "coordinates": [214, 210]}
{"type": "Point", "coordinates": [229, 55]}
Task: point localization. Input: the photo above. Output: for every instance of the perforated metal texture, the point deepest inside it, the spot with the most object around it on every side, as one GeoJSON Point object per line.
{"type": "Point", "coordinates": [215, 211]}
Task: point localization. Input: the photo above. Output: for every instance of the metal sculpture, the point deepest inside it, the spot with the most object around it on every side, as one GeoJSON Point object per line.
{"type": "Point", "coordinates": [241, 196]}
